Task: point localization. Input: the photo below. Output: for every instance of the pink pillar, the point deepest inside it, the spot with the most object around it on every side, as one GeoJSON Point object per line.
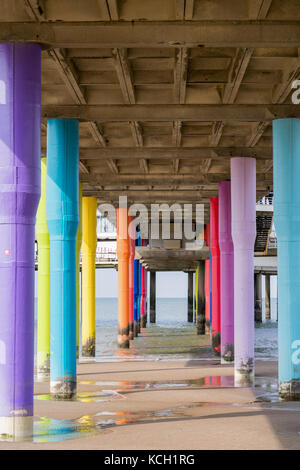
{"type": "Point", "coordinates": [243, 203]}
{"type": "Point", "coordinates": [131, 276]}
{"type": "Point", "coordinates": [215, 253]}
{"type": "Point", "coordinates": [143, 296]}
{"type": "Point", "coordinates": [226, 275]}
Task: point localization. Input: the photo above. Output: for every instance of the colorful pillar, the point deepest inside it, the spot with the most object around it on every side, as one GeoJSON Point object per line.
{"type": "Point", "coordinates": [143, 293]}
{"type": "Point", "coordinates": [20, 85]}
{"type": "Point", "coordinates": [78, 248]}
{"type": "Point", "coordinates": [258, 297]}
{"type": "Point", "coordinates": [190, 306]}
{"type": "Point", "coordinates": [286, 145]}
{"type": "Point", "coordinates": [140, 287]}
{"type": "Point", "coordinates": [43, 313]}
{"type": "Point", "coordinates": [89, 247]}
{"type": "Point", "coordinates": [200, 298]}
{"type": "Point", "coordinates": [210, 282]}
{"type": "Point", "coordinates": [152, 296]}
{"type": "Point", "coordinates": [207, 285]}
{"type": "Point", "coordinates": [62, 219]}
{"type": "Point", "coordinates": [136, 294]}
{"type": "Point", "coordinates": [226, 273]}
{"type": "Point", "coordinates": [131, 277]}
{"type": "Point", "coordinates": [215, 254]}
{"type": "Point", "coordinates": [123, 277]}
{"type": "Point", "coordinates": [267, 297]}
{"type": "Point", "coordinates": [243, 213]}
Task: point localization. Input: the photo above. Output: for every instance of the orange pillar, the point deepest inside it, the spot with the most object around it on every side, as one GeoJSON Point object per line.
{"type": "Point", "coordinates": [123, 251]}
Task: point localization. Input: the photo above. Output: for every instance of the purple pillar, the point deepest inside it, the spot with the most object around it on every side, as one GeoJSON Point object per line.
{"type": "Point", "coordinates": [243, 203]}
{"type": "Point", "coordinates": [20, 99]}
{"type": "Point", "coordinates": [226, 273]}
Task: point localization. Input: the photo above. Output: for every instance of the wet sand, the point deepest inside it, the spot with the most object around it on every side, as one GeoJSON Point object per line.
{"type": "Point", "coordinates": [159, 404]}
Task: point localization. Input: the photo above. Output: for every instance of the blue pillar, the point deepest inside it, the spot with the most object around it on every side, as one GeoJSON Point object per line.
{"type": "Point", "coordinates": [286, 148]}
{"type": "Point", "coordinates": [62, 220]}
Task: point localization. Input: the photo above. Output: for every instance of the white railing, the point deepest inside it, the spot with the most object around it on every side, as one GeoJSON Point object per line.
{"type": "Point", "coordinates": [266, 200]}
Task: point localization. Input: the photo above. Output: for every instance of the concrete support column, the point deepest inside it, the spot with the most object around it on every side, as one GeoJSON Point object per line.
{"type": "Point", "coordinates": [131, 276]}
{"type": "Point", "coordinates": [123, 277]}
{"type": "Point", "coordinates": [190, 306]}
{"type": "Point", "coordinates": [20, 83]}
{"type": "Point", "coordinates": [152, 297]}
{"type": "Point", "coordinates": [215, 253]}
{"type": "Point", "coordinates": [267, 297]}
{"type": "Point", "coordinates": [200, 312]}
{"type": "Point", "coordinates": [43, 313]}
{"type": "Point", "coordinates": [286, 146]}
{"type": "Point", "coordinates": [226, 273]}
{"type": "Point", "coordinates": [78, 248]}
{"type": "Point", "coordinates": [258, 297]}
{"type": "Point", "coordinates": [207, 285]}
{"type": "Point", "coordinates": [243, 203]}
{"type": "Point", "coordinates": [143, 297]}
{"type": "Point", "coordinates": [89, 247]}
{"type": "Point", "coordinates": [136, 294]}
{"type": "Point", "coordinates": [62, 220]}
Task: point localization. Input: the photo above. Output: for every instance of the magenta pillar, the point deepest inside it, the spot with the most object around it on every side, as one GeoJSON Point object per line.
{"type": "Point", "coordinates": [20, 179]}
{"type": "Point", "coordinates": [243, 203]}
{"type": "Point", "coordinates": [226, 273]}
{"type": "Point", "coordinates": [215, 254]}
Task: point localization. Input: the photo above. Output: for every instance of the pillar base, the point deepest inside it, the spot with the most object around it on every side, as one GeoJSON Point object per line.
{"type": "Point", "coordinates": [63, 389]}
{"type": "Point", "coordinates": [89, 348]}
{"type": "Point", "coordinates": [131, 331]}
{"type": "Point", "coordinates": [216, 344]}
{"type": "Point", "coordinates": [152, 318]}
{"type": "Point", "coordinates": [200, 326]}
{"type": "Point", "coordinates": [135, 329]}
{"type": "Point", "coordinates": [16, 428]}
{"type": "Point", "coordinates": [123, 341]}
{"type": "Point", "coordinates": [227, 356]}
{"type": "Point", "coordinates": [207, 327]}
{"type": "Point", "coordinates": [289, 391]}
{"type": "Point", "coordinates": [144, 321]}
{"type": "Point", "coordinates": [43, 370]}
{"type": "Point", "coordinates": [244, 378]}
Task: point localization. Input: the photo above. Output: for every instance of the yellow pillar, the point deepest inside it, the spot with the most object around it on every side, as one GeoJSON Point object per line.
{"type": "Point", "coordinates": [78, 248]}
{"type": "Point", "coordinates": [43, 323]}
{"type": "Point", "coordinates": [88, 249]}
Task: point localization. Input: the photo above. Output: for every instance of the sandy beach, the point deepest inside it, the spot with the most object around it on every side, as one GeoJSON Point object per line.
{"type": "Point", "coordinates": [184, 404]}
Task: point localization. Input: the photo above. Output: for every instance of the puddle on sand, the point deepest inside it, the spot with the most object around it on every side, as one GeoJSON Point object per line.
{"type": "Point", "coordinates": [85, 397]}
{"type": "Point", "coordinates": [266, 383]}
{"type": "Point", "coordinates": [209, 381]}
{"type": "Point", "coordinates": [57, 430]}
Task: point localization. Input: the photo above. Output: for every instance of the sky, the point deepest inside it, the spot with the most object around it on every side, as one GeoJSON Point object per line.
{"type": "Point", "coordinates": [168, 284]}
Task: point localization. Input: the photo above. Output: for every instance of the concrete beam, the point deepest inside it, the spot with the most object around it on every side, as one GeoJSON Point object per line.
{"type": "Point", "coordinates": [189, 153]}
{"type": "Point", "coordinates": [155, 34]}
{"type": "Point", "coordinates": [169, 112]}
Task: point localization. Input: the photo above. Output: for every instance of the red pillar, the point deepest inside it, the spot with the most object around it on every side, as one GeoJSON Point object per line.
{"type": "Point", "coordinates": [215, 252]}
